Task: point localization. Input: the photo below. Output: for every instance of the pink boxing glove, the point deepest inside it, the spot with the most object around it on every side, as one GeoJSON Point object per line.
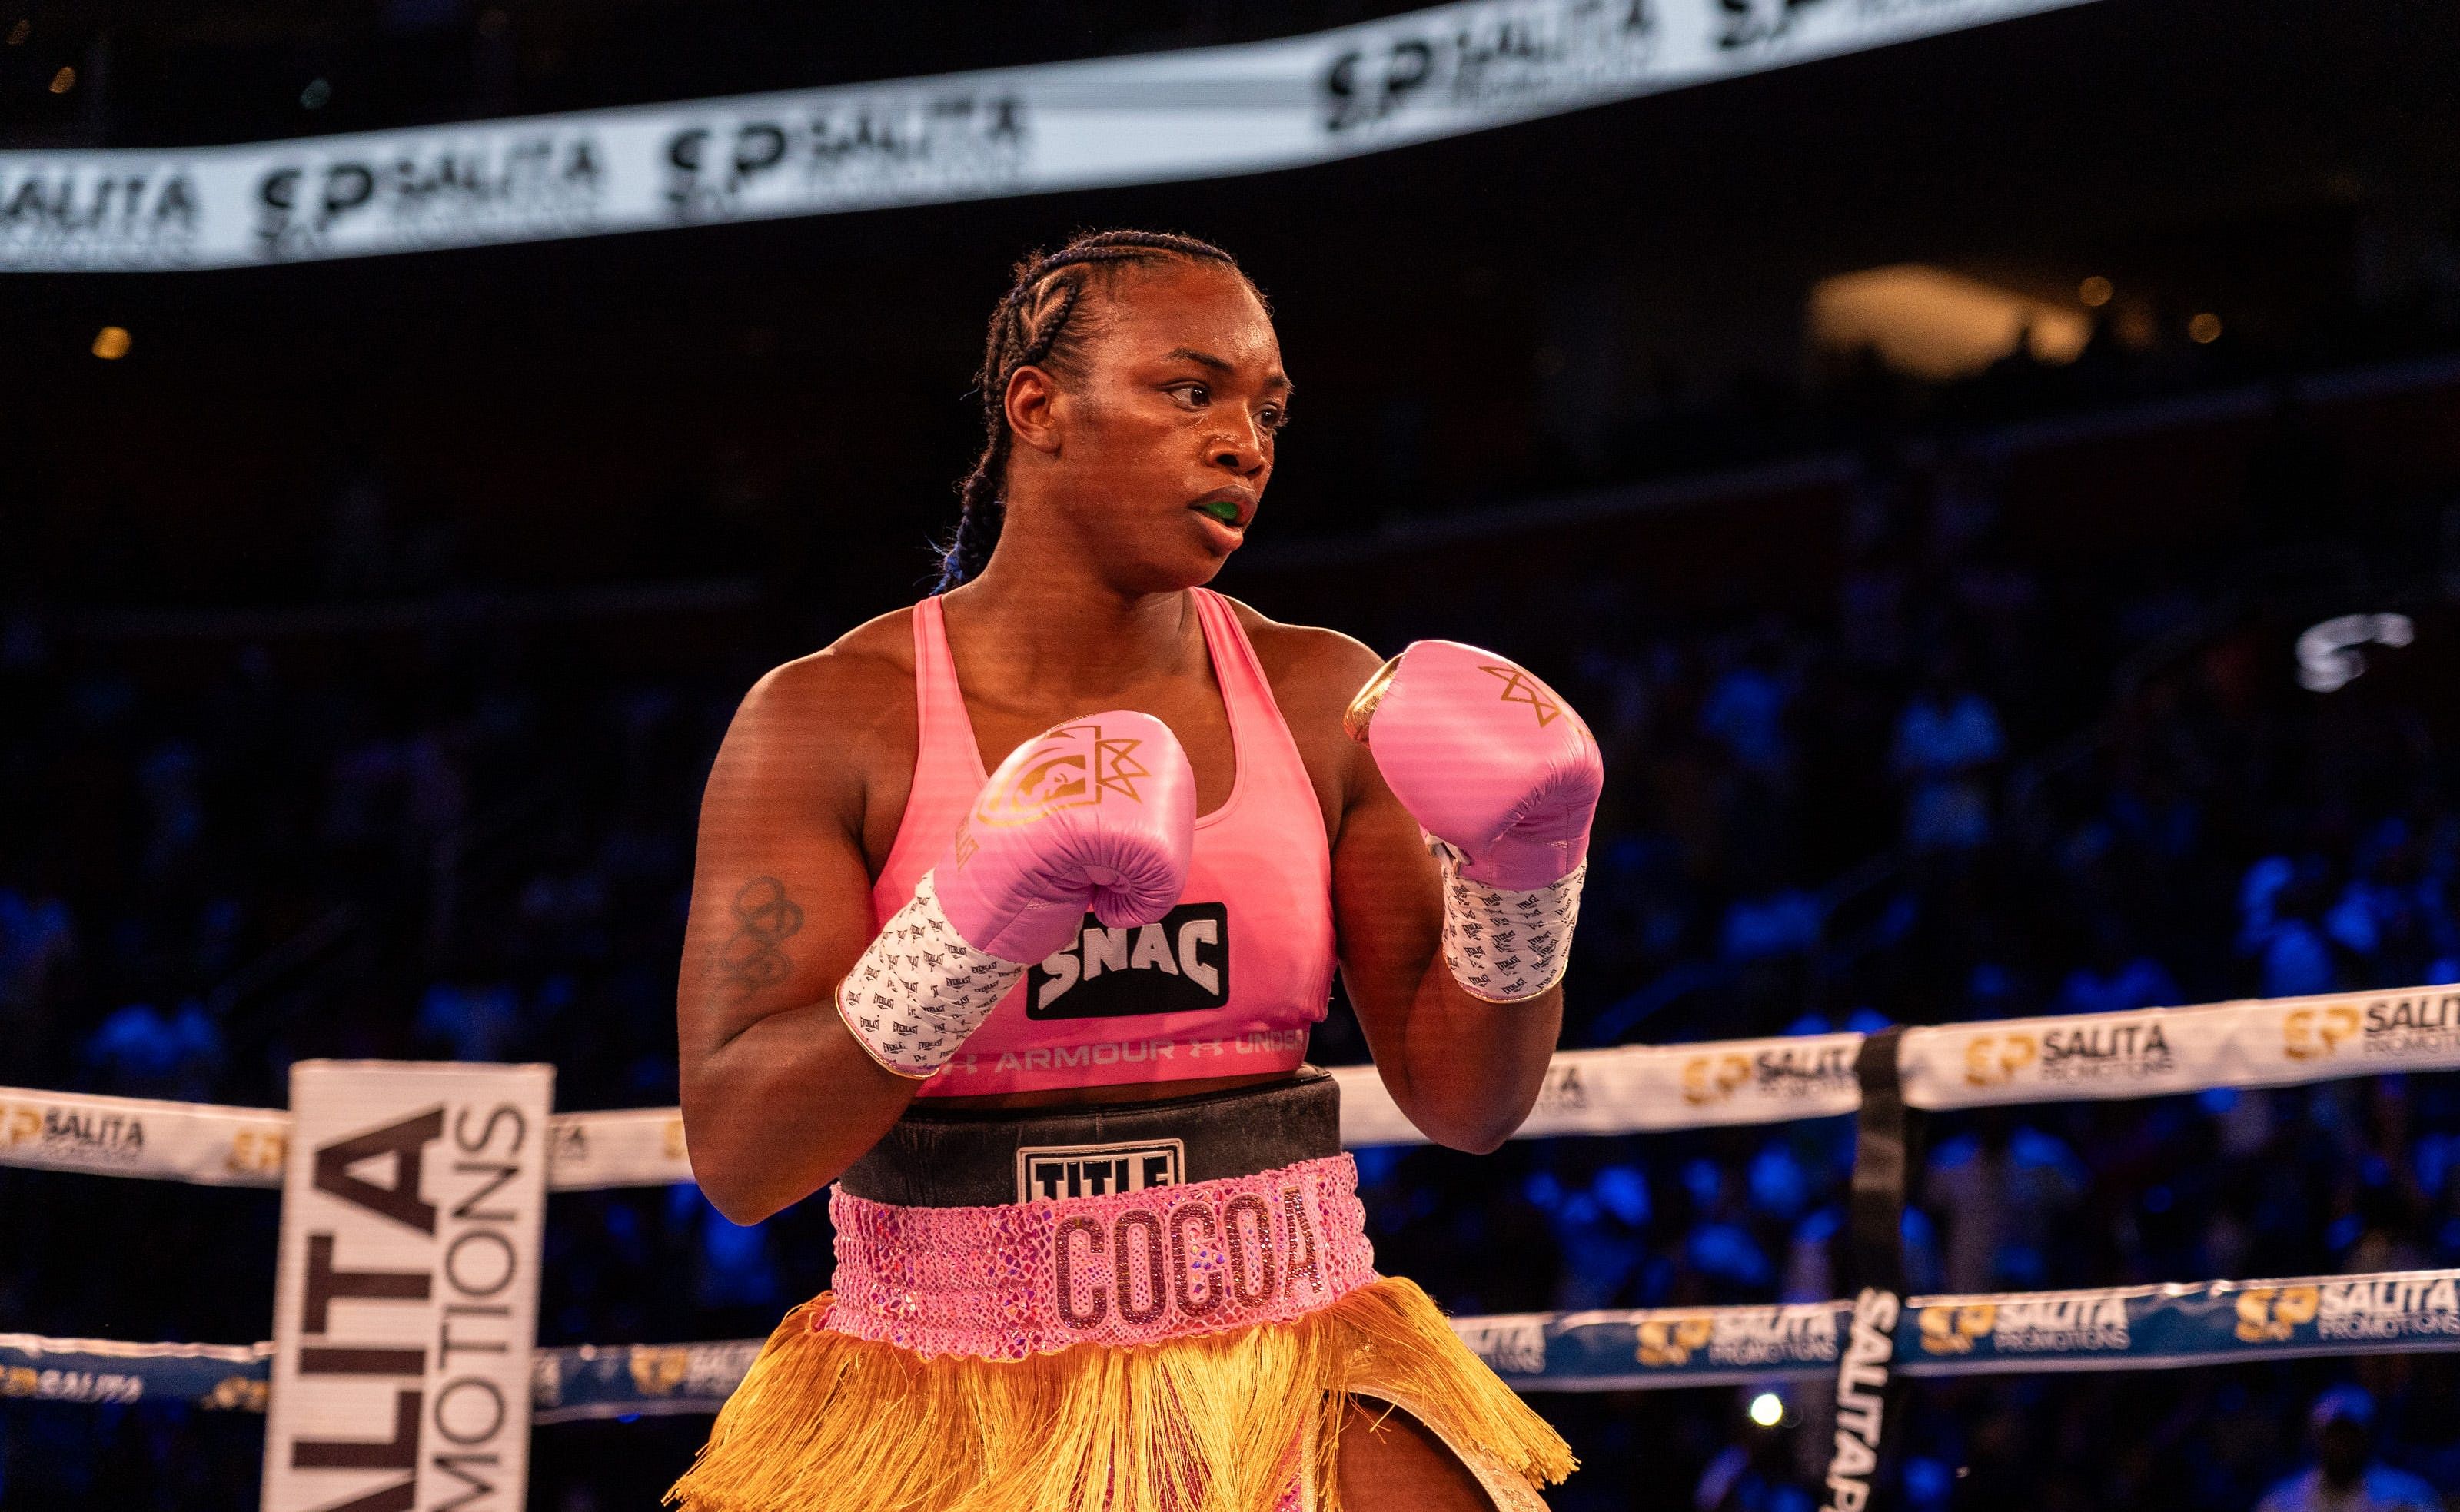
{"type": "Point", "coordinates": [1098, 812]}
{"type": "Point", "coordinates": [1486, 757]}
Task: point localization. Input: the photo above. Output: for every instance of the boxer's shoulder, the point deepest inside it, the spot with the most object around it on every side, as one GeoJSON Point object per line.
{"type": "Point", "coordinates": [873, 660]}
{"type": "Point", "coordinates": [1314, 672]}
{"type": "Point", "coordinates": [1307, 663]}
{"type": "Point", "coordinates": [854, 696]}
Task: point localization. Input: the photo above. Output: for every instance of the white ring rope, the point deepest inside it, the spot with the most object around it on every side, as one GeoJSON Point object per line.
{"type": "Point", "coordinates": [2096, 1329]}
{"type": "Point", "coordinates": [2262, 1042]}
{"type": "Point", "coordinates": [2146, 1052]}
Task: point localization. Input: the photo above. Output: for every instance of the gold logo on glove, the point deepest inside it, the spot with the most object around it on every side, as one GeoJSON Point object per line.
{"type": "Point", "coordinates": [1070, 767]}
{"type": "Point", "coordinates": [1355, 718]}
{"type": "Point", "coordinates": [1520, 688]}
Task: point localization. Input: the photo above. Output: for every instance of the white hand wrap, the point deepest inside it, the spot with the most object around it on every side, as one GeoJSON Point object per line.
{"type": "Point", "coordinates": [920, 990]}
{"type": "Point", "coordinates": [1505, 946]}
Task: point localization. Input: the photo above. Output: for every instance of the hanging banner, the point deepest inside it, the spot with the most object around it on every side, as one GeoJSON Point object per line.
{"type": "Point", "coordinates": [1146, 118]}
{"type": "Point", "coordinates": [406, 1287]}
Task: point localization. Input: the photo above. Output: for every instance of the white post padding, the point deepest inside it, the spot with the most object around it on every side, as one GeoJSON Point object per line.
{"type": "Point", "coordinates": [406, 1286]}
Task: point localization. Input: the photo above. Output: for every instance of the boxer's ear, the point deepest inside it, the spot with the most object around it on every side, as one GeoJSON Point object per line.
{"type": "Point", "coordinates": [1032, 408]}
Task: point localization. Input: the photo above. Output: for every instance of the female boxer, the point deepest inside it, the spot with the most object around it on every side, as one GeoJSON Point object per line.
{"type": "Point", "coordinates": [1097, 1246]}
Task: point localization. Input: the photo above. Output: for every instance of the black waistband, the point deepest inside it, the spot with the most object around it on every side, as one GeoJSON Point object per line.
{"type": "Point", "coordinates": [937, 1157]}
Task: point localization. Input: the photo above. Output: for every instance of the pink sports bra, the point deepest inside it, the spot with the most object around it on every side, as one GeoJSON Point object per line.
{"type": "Point", "coordinates": [1225, 984]}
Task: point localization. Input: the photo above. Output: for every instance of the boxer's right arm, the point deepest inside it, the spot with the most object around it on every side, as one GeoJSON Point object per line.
{"type": "Point", "coordinates": [777, 1097]}
{"type": "Point", "coordinates": [1093, 813]}
{"type": "Point", "coordinates": [797, 1058]}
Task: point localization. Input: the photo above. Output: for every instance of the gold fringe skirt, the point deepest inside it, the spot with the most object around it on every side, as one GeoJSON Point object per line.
{"type": "Point", "coordinates": [1219, 1422]}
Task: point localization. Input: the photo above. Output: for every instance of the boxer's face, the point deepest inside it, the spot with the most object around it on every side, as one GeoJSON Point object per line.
{"type": "Point", "coordinates": [1165, 437]}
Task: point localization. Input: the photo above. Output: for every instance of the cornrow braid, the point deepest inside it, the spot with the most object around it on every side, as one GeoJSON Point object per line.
{"type": "Point", "coordinates": [1031, 328]}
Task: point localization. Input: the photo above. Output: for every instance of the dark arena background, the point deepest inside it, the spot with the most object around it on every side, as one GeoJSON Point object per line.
{"type": "Point", "coordinates": [1994, 495]}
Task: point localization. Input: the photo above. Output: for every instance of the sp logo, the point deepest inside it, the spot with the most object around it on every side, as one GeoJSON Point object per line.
{"type": "Point", "coordinates": [1993, 1060]}
{"type": "Point", "coordinates": [257, 1152]}
{"type": "Point", "coordinates": [1952, 1330]}
{"type": "Point", "coordinates": [1362, 87]}
{"type": "Point", "coordinates": [2314, 1034]}
{"type": "Point", "coordinates": [656, 1372]}
{"type": "Point", "coordinates": [236, 1394]}
{"type": "Point", "coordinates": [2270, 1314]}
{"type": "Point", "coordinates": [1671, 1341]}
{"type": "Point", "coordinates": [1713, 1078]}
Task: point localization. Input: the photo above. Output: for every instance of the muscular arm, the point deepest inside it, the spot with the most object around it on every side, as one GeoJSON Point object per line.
{"type": "Point", "coordinates": [777, 1096]}
{"type": "Point", "coordinates": [1466, 1071]}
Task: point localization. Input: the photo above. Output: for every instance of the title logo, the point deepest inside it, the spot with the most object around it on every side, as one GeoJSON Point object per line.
{"type": "Point", "coordinates": [1047, 1173]}
{"type": "Point", "coordinates": [1178, 964]}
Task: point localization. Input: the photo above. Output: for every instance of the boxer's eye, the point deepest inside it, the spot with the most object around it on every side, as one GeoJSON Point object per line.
{"type": "Point", "coordinates": [1193, 395]}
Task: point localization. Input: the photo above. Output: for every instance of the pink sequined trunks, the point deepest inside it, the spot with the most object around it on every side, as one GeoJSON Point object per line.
{"type": "Point", "coordinates": [1131, 1267]}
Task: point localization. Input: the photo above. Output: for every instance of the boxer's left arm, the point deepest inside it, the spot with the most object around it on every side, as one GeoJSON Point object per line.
{"type": "Point", "coordinates": [1465, 1071]}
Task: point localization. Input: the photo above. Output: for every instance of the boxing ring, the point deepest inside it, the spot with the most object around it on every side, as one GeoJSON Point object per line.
{"type": "Point", "coordinates": [1864, 1343]}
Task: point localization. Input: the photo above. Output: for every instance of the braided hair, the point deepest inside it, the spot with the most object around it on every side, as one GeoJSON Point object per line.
{"type": "Point", "coordinates": [1034, 326]}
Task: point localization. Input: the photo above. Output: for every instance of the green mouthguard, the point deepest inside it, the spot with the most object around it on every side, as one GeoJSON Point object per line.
{"type": "Point", "coordinates": [1221, 509]}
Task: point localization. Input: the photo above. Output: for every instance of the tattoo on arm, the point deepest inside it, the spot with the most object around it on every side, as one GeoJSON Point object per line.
{"type": "Point", "coordinates": [765, 919]}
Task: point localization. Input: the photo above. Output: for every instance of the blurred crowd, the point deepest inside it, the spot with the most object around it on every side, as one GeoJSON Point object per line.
{"type": "Point", "coordinates": [1976, 780]}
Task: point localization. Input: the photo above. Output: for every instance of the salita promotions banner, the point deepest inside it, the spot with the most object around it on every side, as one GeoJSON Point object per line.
{"type": "Point", "coordinates": [406, 1293]}
{"type": "Point", "coordinates": [1195, 113]}
{"type": "Point", "coordinates": [104, 1136]}
{"type": "Point", "coordinates": [2265, 1042]}
{"type": "Point", "coordinates": [1641, 1087]}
